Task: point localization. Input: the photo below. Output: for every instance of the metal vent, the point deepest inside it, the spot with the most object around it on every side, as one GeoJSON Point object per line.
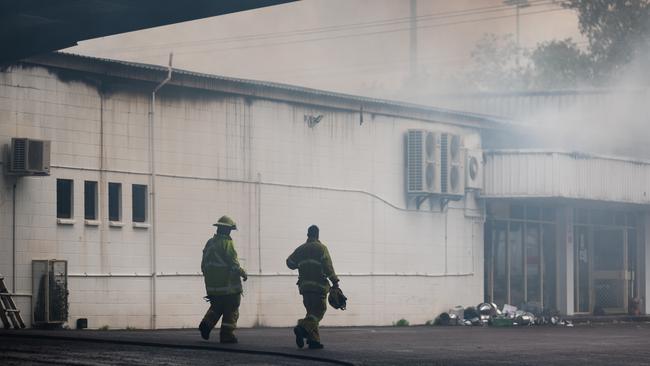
{"type": "Point", "coordinates": [19, 148]}
{"type": "Point", "coordinates": [444, 162]}
{"type": "Point", "coordinates": [414, 160]}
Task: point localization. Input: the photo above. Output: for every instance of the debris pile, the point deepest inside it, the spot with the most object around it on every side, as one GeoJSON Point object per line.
{"type": "Point", "coordinates": [489, 314]}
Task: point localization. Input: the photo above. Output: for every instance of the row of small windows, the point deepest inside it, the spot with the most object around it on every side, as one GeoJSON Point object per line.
{"type": "Point", "coordinates": [65, 202]}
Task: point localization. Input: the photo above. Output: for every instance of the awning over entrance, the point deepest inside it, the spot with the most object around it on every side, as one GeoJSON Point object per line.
{"type": "Point", "coordinates": [541, 174]}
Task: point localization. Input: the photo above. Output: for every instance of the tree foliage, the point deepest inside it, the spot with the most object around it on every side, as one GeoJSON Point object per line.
{"type": "Point", "coordinates": [618, 31]}
{"type": "Point", "coordinates": [560, 65]}
{"type": "Point", "coordinates": [494, 64]}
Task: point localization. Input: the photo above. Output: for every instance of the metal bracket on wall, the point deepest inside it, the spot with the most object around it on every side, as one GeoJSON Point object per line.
{"type": "Point", "coordinates": [419, 200]}
{"type": "Point", "coordinates": [444, 201]}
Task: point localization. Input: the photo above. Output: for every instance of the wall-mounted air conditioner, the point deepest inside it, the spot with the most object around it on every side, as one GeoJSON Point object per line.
{"type": "Point", "coordinates": [474, 170]}
{"type": "Point", "coordinates": [452, 162]}
{"type": "Point", "coordinates": [49, 292]}
{"type": "Point", "coordinates": [29, 157]}
{"type": "Point", "coordinates": [422, 162]}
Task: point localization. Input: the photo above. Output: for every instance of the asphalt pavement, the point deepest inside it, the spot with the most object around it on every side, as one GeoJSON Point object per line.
{"type": "Point", "coordinates": [593, 344]}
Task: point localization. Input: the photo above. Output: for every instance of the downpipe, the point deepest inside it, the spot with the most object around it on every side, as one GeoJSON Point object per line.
{"type": "Point", "coordinates": [13, 240]}
{"type": "Point", "coordinates": [152, 193]}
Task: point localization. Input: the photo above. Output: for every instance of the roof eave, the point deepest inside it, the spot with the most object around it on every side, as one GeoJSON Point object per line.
{"type": "Point", "coordinates": [264, 90]}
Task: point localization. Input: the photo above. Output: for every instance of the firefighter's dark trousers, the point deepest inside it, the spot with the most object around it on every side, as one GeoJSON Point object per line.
{"type": "Point", "coordinates": [226, 306]}
{"type": "Point", "coordinates": [316, 305]}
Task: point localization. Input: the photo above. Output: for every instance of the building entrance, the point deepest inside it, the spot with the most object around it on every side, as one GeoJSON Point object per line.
{"type": "Point", "coordinates": [605, 262]}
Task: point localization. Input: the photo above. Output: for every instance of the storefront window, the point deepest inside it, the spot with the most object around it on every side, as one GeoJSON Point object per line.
{"type": "Point", "coordinates": [533, 261]}
{"type": "Point", "coordinates": [517, 278]}
{"type": "Point", "coordinates": [517, 245]}
{"type": "Point", "coordinates": [500, 267]}
{"type": "Point", "coordinates": [549, 260]}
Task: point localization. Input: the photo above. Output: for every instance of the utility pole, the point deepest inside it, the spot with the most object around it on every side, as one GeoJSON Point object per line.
{"type": "Point", "coordinates": [413, 40]}
{"type": "Point", "coordinates": [517, 4]}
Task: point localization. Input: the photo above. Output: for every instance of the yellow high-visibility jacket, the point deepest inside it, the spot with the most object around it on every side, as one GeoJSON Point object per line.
{"type": "Point", "coordinates": [220, 267]}
{"type": "Point", "coordinates": [314, 264]}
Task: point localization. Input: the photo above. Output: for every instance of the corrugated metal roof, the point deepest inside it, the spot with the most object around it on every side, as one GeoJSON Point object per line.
{"type": "Point", "coordinates": [71, 61]}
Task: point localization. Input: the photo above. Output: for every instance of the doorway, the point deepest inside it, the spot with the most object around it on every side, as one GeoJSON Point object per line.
{"type": "Point", "coordinates": [605, 263]}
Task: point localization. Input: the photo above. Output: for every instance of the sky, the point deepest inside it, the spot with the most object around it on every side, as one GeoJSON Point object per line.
{"type": "Point", "coordinates": [350, 46]}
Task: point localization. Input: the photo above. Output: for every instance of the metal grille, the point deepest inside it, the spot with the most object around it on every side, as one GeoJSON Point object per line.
{"type": "Point", "coordinates": [414, 161]}
{"type": "Point", "coordinates": [18, 154]}
{"type": "Point", "coordinates": [444, 162]}
{"type": "Point", "coordinates": [608, 293]}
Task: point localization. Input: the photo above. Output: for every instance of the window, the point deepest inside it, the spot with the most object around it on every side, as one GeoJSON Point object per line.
{"type": "Point", "coordinates": [64, 198]}
{"type": "Point", "coordinates": [139, 202]}
{"type": "Point", "coordinates": [90, 200]}
{"type": "Point", "coordinates": [520, 254]}
{"type": "Point", "coordinates": [114, 201]}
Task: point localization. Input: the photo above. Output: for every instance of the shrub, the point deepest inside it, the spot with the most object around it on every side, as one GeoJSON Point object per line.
{"type": "Point", "coordinates": [401, 323]}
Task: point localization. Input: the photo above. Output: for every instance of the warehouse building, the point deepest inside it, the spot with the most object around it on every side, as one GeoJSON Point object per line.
{"type": "Point", "coordinates": [422, 208]}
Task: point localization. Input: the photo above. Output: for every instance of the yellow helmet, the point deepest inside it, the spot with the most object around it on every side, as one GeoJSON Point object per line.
{"type": "Point", "coordinates": [226, 222]}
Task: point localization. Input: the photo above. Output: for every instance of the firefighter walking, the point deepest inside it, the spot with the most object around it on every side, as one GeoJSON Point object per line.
{"type": "Point", "coordinates": [222, 274]}
{"type": "Point", "coordinates": [314, 265]}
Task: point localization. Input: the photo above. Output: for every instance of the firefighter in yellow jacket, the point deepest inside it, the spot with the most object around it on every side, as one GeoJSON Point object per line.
{"type": "Point", "coordinates": [314, 265]}
{"type": "Point", "coordinates": [222, 272]}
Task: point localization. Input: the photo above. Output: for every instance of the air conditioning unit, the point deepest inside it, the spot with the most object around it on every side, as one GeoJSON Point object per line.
{"type": "Point", "coordinates": [474, 170]}
{"type": "Point", "coordinates": [29, 157]}
{"type": "Point", "coordinates": [49, 292]}
{"type": "Point", "coordinates": [452, 174]}
{"type": "Point", "coordinates": [422, 162]}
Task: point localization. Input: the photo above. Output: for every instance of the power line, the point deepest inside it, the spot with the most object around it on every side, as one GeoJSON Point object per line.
{"type": "Point", "coordinates": [334, 28]}
{"type": "Point", "coordinates": [360, 34]}
{"type": "Point", "coordinates": [361, 67]}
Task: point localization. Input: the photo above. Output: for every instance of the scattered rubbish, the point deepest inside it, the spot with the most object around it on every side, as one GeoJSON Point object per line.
{"type": "Point", "coordinates": [443, 319]}
{"type": "Point", "coordinates": [470, 313]}
{"type": "Point", "coordinates": [458, 312]}
{"type": "Point", "coordinates": [509, 310]}
{"type": "Point", "coordinates": [530, 314]}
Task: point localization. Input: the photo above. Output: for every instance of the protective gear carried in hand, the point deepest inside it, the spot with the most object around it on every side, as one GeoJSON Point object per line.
{"type": "Point", "coordinates": [336, 298]}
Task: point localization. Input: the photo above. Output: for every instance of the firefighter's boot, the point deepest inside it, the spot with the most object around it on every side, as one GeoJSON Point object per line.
{"type": "Point", "coordinates": [205, 329]}
{"type": "Point", "coordinates": [227, 336]}
{"type": "Point", "coordinates": [315, 344]}
{"type": "Point", "coordinates": [301, 334]}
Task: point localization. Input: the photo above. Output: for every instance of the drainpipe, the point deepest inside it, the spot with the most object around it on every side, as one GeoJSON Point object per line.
{"type": "Point", "coordinates": [13, 240]}
{"type": "Point", "coordinates": [152, 194]}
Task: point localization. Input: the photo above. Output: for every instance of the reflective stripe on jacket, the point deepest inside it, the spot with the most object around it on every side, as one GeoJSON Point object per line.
{"type": "Point", "coordinates": [314, 265]}
{"type": "Point", "coordinates": [220, 267]}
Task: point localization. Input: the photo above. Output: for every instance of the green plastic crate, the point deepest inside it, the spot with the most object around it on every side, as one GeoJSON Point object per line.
{"type": "Point", "coordinates": [502, 322]}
